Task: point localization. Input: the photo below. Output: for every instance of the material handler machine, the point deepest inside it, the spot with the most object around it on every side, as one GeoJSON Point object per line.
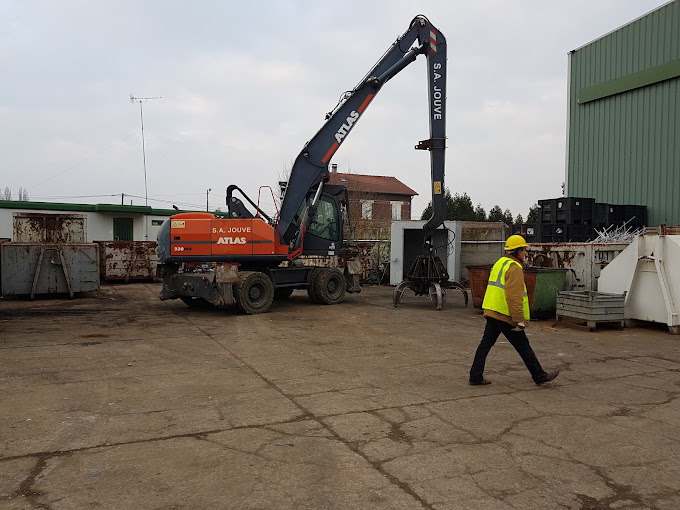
{"type": "Point", "coordinates": [250, 258]}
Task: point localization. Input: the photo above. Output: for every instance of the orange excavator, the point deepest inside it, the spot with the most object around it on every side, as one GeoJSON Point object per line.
{"type": "Point", "coordinates": [249, 258]}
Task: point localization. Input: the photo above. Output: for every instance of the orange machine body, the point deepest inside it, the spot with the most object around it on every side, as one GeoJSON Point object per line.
{"type": "Point", "coordinates": [202, 234]}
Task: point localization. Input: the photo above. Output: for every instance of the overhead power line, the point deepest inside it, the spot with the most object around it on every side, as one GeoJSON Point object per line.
{"type": "Point", "coordinates": [80, 162]}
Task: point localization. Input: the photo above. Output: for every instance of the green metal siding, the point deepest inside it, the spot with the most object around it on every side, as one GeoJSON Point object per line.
{"type": "Point", "coordinates": [624, 134]}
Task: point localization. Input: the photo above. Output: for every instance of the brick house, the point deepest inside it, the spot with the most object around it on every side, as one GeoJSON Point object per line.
{"type": "Point", "coordinates": [375, 201]}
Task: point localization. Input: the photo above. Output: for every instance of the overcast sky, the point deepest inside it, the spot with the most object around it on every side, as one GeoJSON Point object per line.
{"type": "Point", "coordinates": [245, 84]}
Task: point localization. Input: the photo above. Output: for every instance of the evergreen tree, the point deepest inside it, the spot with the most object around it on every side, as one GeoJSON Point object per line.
{"type": "Point", "coordinates": [534, 214]}
{"type": "Point", "coordinates": [507, 218]}
{"type": "Point", "coordinates": [463, 210]}
{"type": "Point", "coordinates": [480, 213]}
{"type": "Point", "coordinates": [496, 214]}
{"type": "Point", "coordinates": [458, 207]}
{"type": "Point", "coordinates": [427, 213]}
{"type": "Point", "coordinates": [519, 220]}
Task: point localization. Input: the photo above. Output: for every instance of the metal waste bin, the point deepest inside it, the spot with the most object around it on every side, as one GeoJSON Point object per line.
{"type": "Point", "coordinates": [42, 268]}
{"type": "Point", "coordinates": [543, 284]}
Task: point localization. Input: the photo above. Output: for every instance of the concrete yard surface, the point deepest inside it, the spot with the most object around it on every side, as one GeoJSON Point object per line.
{"type": "Point", "coordinates": [116, 400]}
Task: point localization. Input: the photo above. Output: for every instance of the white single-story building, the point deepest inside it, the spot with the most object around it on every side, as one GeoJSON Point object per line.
{"type": "Point", "coordinates": [103, 222]}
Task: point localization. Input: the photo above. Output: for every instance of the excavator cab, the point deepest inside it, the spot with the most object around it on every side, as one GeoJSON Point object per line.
{"type": "Point", "coordinates": [324, 234]}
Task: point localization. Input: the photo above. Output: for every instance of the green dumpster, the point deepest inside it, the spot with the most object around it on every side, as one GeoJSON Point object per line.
{"type": "Point", "coordinates": [543, 284]}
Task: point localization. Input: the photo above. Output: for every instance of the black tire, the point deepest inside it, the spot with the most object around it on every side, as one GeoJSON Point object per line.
{"type": "Point", "coordinates": [311, 288]}
{"type": "Point", "coordinates": [254, 293]}
{"type": "Point", "coordinates": [283, 292]}
{"type": "Point", "coordinates": [329, 287]}
{"type": "Point", "coordinates": [196, 302]}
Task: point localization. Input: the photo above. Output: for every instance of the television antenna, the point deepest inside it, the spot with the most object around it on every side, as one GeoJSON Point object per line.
{"type": "Point", "coordinates": [141, 100]}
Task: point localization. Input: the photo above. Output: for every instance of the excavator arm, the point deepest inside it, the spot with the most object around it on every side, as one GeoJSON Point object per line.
{"type": "Point", "coordinates": [310, 170]}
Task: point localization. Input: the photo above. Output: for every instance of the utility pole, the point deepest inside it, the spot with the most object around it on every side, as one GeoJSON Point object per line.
{"type": "Point", "coordinates": [207, 209]}
{"type": "Point", "coordinates": [141, 100]}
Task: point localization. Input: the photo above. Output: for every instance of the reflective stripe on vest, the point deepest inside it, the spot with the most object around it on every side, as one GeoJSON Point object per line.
{"type": "Point", "coordinates": [495, 299]}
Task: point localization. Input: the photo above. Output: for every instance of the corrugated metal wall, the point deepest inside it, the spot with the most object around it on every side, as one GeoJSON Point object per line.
{"type": "Point", "coordinates": [624, 139]}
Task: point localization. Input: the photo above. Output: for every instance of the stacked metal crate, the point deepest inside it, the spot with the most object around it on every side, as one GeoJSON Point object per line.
{"type": "Point", "coordinates": [577, 220]}
{"type": "Point", "coordinates": [615, 215]}
{"type": "Point", "coordinates": [566, 219]}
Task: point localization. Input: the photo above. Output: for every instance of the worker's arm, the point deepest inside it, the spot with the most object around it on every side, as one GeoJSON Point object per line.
{"type": "Point", "coordinates": [514, 292]}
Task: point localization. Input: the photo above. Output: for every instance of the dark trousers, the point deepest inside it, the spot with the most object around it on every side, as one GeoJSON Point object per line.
{"type": "Point", "coordinates": [519, 341]}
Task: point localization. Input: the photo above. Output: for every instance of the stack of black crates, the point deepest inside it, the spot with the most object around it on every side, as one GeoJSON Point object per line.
{"type": "Point", "coordinates": [606, 215]}
{"type": "Point", "coordinates": [575, 219]}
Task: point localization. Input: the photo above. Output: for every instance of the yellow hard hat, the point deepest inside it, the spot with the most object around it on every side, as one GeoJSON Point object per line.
{"type": "Point", "coordinates": [515, 242]}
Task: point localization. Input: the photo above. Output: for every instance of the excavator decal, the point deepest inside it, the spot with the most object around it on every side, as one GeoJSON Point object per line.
{"type": "Point", "coordinates": [433, 41]}
{"type": "Point", "coordinates": [345, 128]}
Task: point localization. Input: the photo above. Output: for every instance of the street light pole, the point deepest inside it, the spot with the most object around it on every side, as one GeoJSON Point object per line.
{"type": "Point", "coordinates": [206, 199]}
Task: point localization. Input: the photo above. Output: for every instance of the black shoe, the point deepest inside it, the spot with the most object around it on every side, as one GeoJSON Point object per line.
{"type": "Point", "coordinates": [549, 376]}
{"type": "Point", "coordinates": [483, 382]}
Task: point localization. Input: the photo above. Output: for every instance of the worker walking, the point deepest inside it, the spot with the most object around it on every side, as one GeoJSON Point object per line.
{"type": "Point", "coordinates": [506, 308]}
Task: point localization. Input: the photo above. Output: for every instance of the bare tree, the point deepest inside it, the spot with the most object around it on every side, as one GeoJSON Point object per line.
{"type": "Point", "coordinates": [23, 195]}
{"type": "Point", "coordinates": [8, 194]}
{"type": "Point", "coordinates": [282, 181]}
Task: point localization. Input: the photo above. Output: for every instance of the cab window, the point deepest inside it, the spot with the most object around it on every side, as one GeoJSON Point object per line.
{"type": "Point", "coordinates": [325, 224]}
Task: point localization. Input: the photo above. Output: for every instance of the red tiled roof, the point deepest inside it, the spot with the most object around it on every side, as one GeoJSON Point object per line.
{"type": "Point", "coordinates": [372, 183]}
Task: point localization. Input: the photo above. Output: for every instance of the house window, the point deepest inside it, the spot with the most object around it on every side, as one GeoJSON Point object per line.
{"type": "Point", "coordinates": [396, 210]}
{"type": "Point", "coordinates": [156, 223]}
{"type": "Point", "coordinates": [367, 209]}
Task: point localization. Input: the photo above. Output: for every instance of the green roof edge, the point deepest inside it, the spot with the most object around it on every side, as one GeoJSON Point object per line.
{"type": "Point", "coordinates": [57, 206]}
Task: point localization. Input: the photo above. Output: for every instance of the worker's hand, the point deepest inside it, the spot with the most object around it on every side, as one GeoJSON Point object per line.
{"type": "Point", "coordinates": [520, 326]}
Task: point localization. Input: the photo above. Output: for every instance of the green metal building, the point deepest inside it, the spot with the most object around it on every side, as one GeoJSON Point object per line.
{"type": "Point", "coordinates": [623, 129]}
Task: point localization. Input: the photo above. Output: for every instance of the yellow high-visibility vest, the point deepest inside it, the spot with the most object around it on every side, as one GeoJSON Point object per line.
{"type": "Point", "coordinates": [495, 299]}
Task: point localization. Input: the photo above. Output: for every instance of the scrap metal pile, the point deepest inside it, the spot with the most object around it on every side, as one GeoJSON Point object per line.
{"type": "Point", "coordinates": [618, 234]}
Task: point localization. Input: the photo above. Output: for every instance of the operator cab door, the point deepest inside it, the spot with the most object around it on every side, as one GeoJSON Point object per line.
{"type": "Point", "coordinates": [324, 232]}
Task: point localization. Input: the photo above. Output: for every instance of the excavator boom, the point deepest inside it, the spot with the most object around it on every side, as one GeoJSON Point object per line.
{"type": "Point", "coordinates": [311, 165]}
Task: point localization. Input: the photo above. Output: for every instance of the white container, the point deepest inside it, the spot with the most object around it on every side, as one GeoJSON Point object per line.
{"type": "Point", "coordinates": [407, 244]}
{"type": "Point", "coordinates": [585, 261]}
{"type": "Point", "coordinates": [649, 271]}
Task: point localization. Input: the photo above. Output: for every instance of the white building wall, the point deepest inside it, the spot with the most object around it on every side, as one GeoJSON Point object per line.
{"type": "Point", "coordinates": [98, 225]}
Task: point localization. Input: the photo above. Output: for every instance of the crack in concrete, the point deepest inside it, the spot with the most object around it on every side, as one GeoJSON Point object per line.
{"type": "Point", "coordinates": [405, 487]}
{"type": "Point", "coordinates": [26, 489]}
{"type": "Point", "coordinates": [621, 494]}
{"type": "Point", "coordinates": [194, 435]}
{"type": "Point", "coordinates": [396, 433]}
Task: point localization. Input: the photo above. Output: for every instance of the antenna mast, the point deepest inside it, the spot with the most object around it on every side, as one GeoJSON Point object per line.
{"type": "Point", "coordinates": [141, 100]}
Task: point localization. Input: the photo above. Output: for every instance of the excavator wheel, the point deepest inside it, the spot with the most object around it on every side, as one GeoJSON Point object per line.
{"type": "Point", "coordinates": [329, 286]}
{"type": "Point", "coordinates": [311, 287]}
{"type": "Point", "coordinates": [254, 292]}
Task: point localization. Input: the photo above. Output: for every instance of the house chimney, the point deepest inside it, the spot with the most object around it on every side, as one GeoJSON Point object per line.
{"type": "Point", "coordinates": [334, 168]}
